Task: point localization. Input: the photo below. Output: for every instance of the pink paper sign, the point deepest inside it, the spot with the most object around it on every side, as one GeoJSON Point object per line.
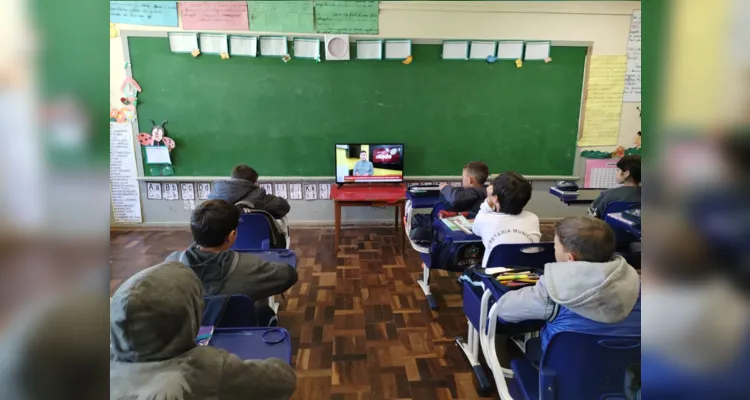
{"type": "Point", "coordinates": [214, 15]}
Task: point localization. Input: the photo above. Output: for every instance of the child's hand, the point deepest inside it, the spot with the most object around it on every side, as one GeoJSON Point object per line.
{"type": "Point", "coordinates": [489, 192]}
{"type": "Point", "coordinates": [442, 185]}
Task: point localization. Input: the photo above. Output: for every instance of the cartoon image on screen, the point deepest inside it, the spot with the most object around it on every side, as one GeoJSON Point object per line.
{"type": "Point", "coordinates": [369, 163]}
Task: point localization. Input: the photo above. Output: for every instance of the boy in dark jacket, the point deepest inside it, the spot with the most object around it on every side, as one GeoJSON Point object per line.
{"type": "Point", "coordinates": [472, 193]}
{"type": "Point", "coordinates": [243, 187]}
{"type": "Point", "coordinates": [154, 320]}
{"type": "Point", "coordinates": [628, 175]}
{"type": "Point", "coordinates": [224, 271]}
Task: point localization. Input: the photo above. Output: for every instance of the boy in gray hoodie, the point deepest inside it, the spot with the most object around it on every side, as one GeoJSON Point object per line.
{"type": "Point", "coordinates": [154, 320]}
{"type": "Point", "coordinates": [588, 289]}
{"type": "Point", "coordinates": [224, 271]}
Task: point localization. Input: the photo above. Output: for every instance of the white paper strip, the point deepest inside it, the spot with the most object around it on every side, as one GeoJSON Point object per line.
{"type": "Point", "coordinates": [273, 46]}
{"type": "Point", "coordinates": [632, 92]}
{"type": "Point", "coordinates": [397, 49]}
{"type": "Point", "coordinates": [369, 49]}
{"type": "Point", "coordinates": [456, 50]}
{"type": "Point", "coordinates": [243, 46]}
{"type": "Point", "coordinates": [213, 43]}
{"type": "Point", "coordinates": [536, 50]}
{"type": "Point", "coordinates": [183, 42]}
{"type": "Point", "coordinates": [510, 50]}
{"type": "Point", "coordinates": [480, 50]}
{"type": "Point", "coordinates": [123, 171]}
{"type": "Point", "coordinates": [306, 48]}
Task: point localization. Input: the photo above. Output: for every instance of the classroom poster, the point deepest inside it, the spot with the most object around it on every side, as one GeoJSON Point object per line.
{"type": "Point", "coordinates": [123, 173]}
{"type": "Point", "coordinates": [152, 13]}
{"type": "Point", "coordinates": [601, 123]}
{"type": "Point", "coordinates": [632, 91]}
{"type": "Point", "coordinates": [204, 189]}
{"type": "Point", "coordinates": [281, 16]}
{"type": "Point", "coordinates": [214, 15]}
{"type": "Point", "coordinates": [354, 17]}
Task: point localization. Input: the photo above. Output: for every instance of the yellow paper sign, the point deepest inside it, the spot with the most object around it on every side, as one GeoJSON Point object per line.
{"type": "Point", "coordinates": [601, 124]}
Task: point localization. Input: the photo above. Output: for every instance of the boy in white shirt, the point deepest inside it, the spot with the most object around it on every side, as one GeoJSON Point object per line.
{"type": "Point", "coordinates": [501, 218]}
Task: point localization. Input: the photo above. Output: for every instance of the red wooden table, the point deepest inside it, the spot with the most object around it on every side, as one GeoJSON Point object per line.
{"type": "Point", "coordinates": [356, 195]}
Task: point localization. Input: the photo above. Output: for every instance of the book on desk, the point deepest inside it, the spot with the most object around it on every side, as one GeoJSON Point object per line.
{"type": "Point", "coordinates": [459, 223]}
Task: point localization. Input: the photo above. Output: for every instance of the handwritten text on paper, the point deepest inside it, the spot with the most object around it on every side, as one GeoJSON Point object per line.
{"type": "Point", "coordinates": [214, 15]}
{"type": "Point", "coordinates": [601, 124]}
{"type": "Point", "coordinates": [633, 69]}
{"type": "Point", "coordinates": [355, 17]}
{"type": "Point", "coordinates": [153, 13]}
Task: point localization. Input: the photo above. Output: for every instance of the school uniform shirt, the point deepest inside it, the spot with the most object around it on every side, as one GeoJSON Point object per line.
{"type": "Point", "coordinates": [499, 228]}
{"type": "Point", "coordinates": [622, 193]}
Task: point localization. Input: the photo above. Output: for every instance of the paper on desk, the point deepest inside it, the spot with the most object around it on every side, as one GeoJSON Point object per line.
{"type": "Point", "coordinates": [606, 83]}
{"type": "Point", "coordinates": [496, 270]}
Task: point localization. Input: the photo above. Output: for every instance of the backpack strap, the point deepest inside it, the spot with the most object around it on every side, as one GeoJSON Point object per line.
{"type": "Point", "coordinates": [213, 310]}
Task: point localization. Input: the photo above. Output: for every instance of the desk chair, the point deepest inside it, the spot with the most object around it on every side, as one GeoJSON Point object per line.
{"type": "Point", "coordinates": [408, 216]}
{"type": "Point", "coordinates": [622, 237]}
{"type": "Point", "coordinates": [225, 311]}
{"type": "Point", "coordinates": [258, 230]}
{"type": "Point", "coordinates": [532, 255]}
{"type": "Point", "coordinates": [578, 366]}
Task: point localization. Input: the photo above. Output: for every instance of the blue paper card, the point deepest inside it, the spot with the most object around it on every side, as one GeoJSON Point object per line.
{"type": "Point", "coordinates": [153, 13]}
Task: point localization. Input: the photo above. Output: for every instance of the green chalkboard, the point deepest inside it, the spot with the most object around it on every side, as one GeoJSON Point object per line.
{"type": "Point", "coordinates": [284, 118]}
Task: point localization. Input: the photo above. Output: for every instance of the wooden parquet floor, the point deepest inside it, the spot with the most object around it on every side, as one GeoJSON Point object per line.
{"type": "Point", "coordinates": [360, 326]}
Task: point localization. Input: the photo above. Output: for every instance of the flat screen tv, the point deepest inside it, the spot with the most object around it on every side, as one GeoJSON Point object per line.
{"type": "Point", "coordinates": [369, 163]}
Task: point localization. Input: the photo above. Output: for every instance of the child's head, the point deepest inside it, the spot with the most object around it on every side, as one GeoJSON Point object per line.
{"type": "Point", "coordinates": [475, 174]}
{"type": "Point", "coordinates": [584, 238]}
{"type": "Point", "coordinates": [214, 224]}
{"type": "Point", "coordinates": [629, 170]}
{"type": "Point", "coordinates": [510, 192]}
{"type": "Point", "coordinates": [242, 171]}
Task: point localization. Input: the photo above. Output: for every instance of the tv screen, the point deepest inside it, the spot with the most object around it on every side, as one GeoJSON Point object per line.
{"type": "Point", "coordinates": [369, 163]}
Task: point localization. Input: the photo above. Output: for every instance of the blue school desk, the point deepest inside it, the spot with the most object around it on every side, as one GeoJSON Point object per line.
{"type": "Point", "coordinates": [582, 196]}
{"type": "Point", "coordinates": [427, 200]}
{"type": "Point", "coordinates": [283, 256]}
{"type": "Point", "coordinates": [254, 343]}
{"type": "Point", "coordinates": [618, 221]}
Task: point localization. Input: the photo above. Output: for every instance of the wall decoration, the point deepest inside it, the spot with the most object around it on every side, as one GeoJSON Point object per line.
{"type": "Point", "coordinates": [324, 190]}
{"type": "Point", "coordinates": [311, 191]}
{"type": "Point", "coordinates": [187, 190]}
{"type": "Point", "coordinates": [204, 189]}
{"type": "Point", "coordinates": [295, 191]}
{"type": "Point", "coordinates": [171, 192]}
{"type": "Point", "coordinates": [153, 191]}
{"type": "Point", "coordinates": [281, 190]}
{"type": "Point", "coordinates": [268, 187]}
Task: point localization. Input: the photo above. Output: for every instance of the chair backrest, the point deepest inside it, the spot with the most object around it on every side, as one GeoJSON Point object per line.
{"type": "Point", "coordinates": [584, 366]}
{"type": "Point", "coordinates": [532, 255]}
{"type": "Point", "coordinates": [253, 232]}
{"type": "Point", "coordinates": [236, 311]}
{"type": "Point", "coordinates": [622, 237]}
{"type": "Point", "coordinates": [620, 206]}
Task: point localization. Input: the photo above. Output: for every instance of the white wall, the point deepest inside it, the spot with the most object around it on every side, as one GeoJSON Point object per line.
{"type": "Point", "coordinates": [603, 24]}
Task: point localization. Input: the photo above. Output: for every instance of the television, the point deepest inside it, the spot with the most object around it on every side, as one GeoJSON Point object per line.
{"type": "Point", "coordinates": [369, 163]}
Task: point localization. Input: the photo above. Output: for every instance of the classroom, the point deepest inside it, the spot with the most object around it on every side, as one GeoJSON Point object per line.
{"type": "Point", "coordinates": [363, 195]}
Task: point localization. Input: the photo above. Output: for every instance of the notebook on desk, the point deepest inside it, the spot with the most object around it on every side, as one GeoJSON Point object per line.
{"type": "Point", "coordinates": [459, 223]}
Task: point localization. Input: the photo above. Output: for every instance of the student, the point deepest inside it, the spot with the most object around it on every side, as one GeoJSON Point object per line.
{"type": "Point", "coordinates": [154, 320]}
{"type": "Point", "coordinates": [243, 187]}
{"type": "Point", "coordinates": [223, 271]}
{"type": "Point", "coordinates": [629, 176]}
{"type": "Point", "coordinates": [501, 218]}
{"type": "Point", "coordinates": [588, 289]}
{"type": "Point", "coordinates": [471, 194]}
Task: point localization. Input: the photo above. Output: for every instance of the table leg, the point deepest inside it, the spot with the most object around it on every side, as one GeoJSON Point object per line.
{"type": "Point", "coordinates": [401, 211]}
{"type": "Point", "coordinates": [337, 225]}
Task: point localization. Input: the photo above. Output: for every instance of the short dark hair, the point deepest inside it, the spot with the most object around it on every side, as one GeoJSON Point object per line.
{"type": "Point", "coordinates": [587, 238]}
{"type": "Point", "coordinates": [363, 151]}
{"type": "Point", "coordinates": [478, 170]}
{"type": "Point", "coordinates": [631, 164]}
{"type": "Point", "coordinates": [245, 172]}
{"type": "Point", "coordinates": [513, 192]}
{"type": "Point", "coordinates": [212, 221]}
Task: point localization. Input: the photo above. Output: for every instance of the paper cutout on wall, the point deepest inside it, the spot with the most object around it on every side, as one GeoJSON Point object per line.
{"type": "Point", "coordinates": [268, 187]}
{"type": "Point", "coordinates": [311, 191]}
{"type": "Point", "coordinates": [280, 190]}
{"type": "Point", "coordinates": [196, 52]}
{"type": "Point", "coordinates": [204, 189]}
{"type": "Point", "coordinates": [187, 190]}
{"type": "Point", "coordinates": [152, 13]}
{"type": "Point", "coordinates": [356, 17]}
{"type": "Point", "coordinates": [324, 190]}
{"type": "Point", "coordinates": [153, 191]}
{"type": "Point", "coordinates": [295, 191]}
{"type": "Point", "coordinates": [113, 31]}
{"type": "Point", "coordinates": [170, 192]}
{"type": "Point", "coordinates": [214, 15]}
{"type": "Point", "coordinates": [157, 137]}
{"type": "Point", "coordinates": [130, 89]}
{"type": "Point", "coordinates": [601, 123]}
{"type": "Point", "coordinates": [281, 16]}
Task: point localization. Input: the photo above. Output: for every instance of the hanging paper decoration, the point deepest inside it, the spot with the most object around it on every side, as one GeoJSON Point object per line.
{"type": "Point", "coordinates": [519, 63]}
{"type": "Point", "coordinates": [285, 58]}
{"type": "Point", "coordinates": [548, 60]}
{"type": "Point", "coordinates": [113, 31]}
{"type": "Point", "coordinates": [157, 137]}
{"type": "Point", "coordinates": [224, 55]}
{"type": "Point", "coordinates": [130, 89]}
{"type": "Point", "coordinates": [196, 52]}
{"type": "Point", "coordinates": [407, 60]}
{"type": "Point", "coordinates": [491, 59]}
